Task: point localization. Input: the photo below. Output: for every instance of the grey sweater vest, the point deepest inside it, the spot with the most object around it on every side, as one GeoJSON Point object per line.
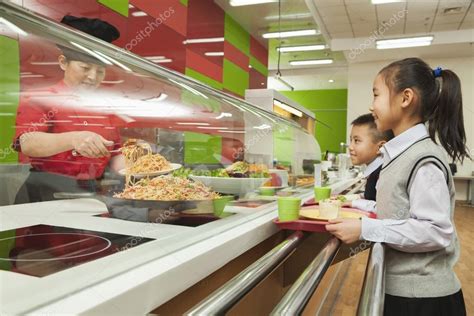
{"type": "Point", "coordinates": [425, 274]}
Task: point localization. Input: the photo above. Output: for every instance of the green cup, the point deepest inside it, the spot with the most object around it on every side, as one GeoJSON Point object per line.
{"type": "Point", "coordinates": [321, 193]}
{"type": "Point", "coordinates": [288, 209]}
{"type": "Point", "coordinates": [267, 191]}
{"type": "Point", "coordinates": [220, 203]}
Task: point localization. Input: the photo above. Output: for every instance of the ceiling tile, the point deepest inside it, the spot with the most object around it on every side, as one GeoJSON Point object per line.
{"type": "Point", "coordinates": [339, 28]}
{"type": "Point", "coordinates": [391, 10]}
{"type": "Point", "coordinates": [332, 11]}
{"type": "Point", "coordinates": [342, 35]}
{"type": "Point", "coordinates": [417, 28]}
{"type": "Point", "coordinates": [340, 19]}
{"type": "Point", "coordinates": [445, 27]}
{"type": "Point", "coordinates": [327, 3]}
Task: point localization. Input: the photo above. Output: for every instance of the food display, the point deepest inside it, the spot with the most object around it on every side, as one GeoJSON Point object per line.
{"type": "Point", "coordinates": [167, 188]}
{"type": "Point", "coordinates": [303, 181]}
{"type": "Point", "coordinates": [239, 169]}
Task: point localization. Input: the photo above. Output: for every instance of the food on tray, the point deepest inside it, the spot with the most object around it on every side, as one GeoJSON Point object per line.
{"type": "Point", "coordinates": [329, 209]}
{"type": "Point", "coordinates": [167, 188]}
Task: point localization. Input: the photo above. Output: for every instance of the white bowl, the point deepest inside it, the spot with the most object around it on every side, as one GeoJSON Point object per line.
{"type": "Point", "coordinates": [236, 186]}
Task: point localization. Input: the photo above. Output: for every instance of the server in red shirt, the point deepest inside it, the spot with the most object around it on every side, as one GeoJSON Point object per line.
{"type": "Point", "coordinates": [68, 144]}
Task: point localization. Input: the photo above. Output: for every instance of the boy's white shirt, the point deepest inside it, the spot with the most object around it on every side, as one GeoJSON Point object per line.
{"type": "Point", "coordinates": [363, 204]}
{"type": "Point", "coordinates": [429, 227]}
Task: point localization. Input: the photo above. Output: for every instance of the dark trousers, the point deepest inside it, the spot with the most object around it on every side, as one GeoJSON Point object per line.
{"type": "Point", "coordinates": [451, 305]}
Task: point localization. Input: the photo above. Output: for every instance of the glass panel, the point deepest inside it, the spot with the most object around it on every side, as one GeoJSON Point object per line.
{"type": "Point", "coordinates": [70, 103]}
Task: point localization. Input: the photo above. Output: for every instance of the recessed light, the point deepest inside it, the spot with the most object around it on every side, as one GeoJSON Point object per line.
{"type": "Point", "coordinates": [331, 80]}
{"type": "Point", "coordinates": [311, 62]}
{"type": "Point", "coordinates": [291, 33]}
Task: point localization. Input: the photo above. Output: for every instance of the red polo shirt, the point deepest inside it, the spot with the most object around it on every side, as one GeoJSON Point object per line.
{"type": "Point", "coordinates": [58, 110]}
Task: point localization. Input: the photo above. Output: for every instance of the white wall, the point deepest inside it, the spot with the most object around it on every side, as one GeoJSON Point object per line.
{"type": "Point", "coordinates": [361, 76]}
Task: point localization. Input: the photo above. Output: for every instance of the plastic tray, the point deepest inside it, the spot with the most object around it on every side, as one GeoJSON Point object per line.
{"type": "Point", "coordinates": [316, 226]}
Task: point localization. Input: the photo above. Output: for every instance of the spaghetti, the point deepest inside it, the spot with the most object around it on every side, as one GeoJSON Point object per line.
{"type": "Point", "coordinates": [167, 188]}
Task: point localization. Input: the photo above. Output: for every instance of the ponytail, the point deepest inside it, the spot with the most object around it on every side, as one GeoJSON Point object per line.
{"type": "Point", "coordinates": [440, 101]}
{"type": "Point", "coordinates": [446, 119]}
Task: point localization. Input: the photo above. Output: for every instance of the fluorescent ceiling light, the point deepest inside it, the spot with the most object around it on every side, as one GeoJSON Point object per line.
{"type": "Point", "coordinates": [214, 54]}
{"type": "Point", "coordinates": [102, 59]}
{"type": "Point", "coordinates": [237, 3]}
{"type": "Point", "coordinates": [45, 63]}
{"type": "Point", "coordinates": [386, 1]}
{"type": "Point", "coordinates": [113, 81]}
{"type": "Point", "coordinates": [193, 123]}
{"type": "Point", "coordinates": [212, 127]}
{"type": "Point", "coordinates": [154, 57]}
{"type": "Point", "coordinates": [232, 132]}
{"type": "Point", "coordinates": [294, 16]}
{"type": "Point", "coordinates": [139, 13]}
{"type": "Point", "coordinates": [291, 33]}
{"type": "Point", "coordinates": [331, 80]}
{"type": "Point", "coordinates": [223, 114]}
{"type": "Point", "coordinates": [404, 42]}
{"type": "Point", "coordinates": [162, 61]}
{"type": "Point", "coordinates": [203, 40]}
{"type": "Point", "coordinates": [263, 126]}
{"type": "Point", "coordinates": [303, 48]}
{"type": "Point", "coordinates": [311, 62]}
{"type": "Point", "coordinates": [13, 27]}
{"type": "Point", "coordinates": [287, 108]}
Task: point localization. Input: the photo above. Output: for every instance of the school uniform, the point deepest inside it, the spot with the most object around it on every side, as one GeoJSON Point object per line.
{"type": "Point", "coordinates": [415, 206]}
{"type": "Point", "coordinates": [371, 173]}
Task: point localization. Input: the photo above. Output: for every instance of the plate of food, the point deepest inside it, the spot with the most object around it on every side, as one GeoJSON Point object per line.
{"type": "Point", "coordinates": [161, 194]}
{"type": "Point", "coordinates": [239, 178]}
{"type": "Point", "coordinates": [150, 172]}
{"type": "Point", "coordinates": [141, 162]}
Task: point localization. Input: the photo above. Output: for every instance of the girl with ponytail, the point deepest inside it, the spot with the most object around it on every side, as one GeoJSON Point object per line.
{"type": "Point", "coordinates": [415, 192]}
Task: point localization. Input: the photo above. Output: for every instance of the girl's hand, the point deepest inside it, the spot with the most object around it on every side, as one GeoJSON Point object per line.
{"type": "Point", "coordinates": [347, 230]}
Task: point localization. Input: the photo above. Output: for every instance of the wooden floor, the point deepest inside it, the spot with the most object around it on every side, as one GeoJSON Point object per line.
{"type": "Point", "coordinates": [346, 302]}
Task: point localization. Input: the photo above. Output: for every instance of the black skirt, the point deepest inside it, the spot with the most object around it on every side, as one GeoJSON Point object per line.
{"type": "Point", "coordinates": [451, 305]}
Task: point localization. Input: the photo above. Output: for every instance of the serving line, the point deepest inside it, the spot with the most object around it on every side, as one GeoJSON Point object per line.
{"type": "Point", "coordinates": [122, 283]}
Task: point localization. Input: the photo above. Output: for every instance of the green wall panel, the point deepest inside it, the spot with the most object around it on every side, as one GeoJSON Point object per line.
{"type": "Point", "coordinates": [330, 108]}
{"type": "Point", "coordinates": [119, 6]}
{"type": "Point", "coordinates": [9, 96]}
{"type": "Point", "coordinates": [258, 66]}
{"type": "Point", "coordinates": [5, 248]}
{"type": "Point", "coordinates": [235, 78]}
{"type": "Point", "coordinates": [204, 79]}
{"type": "Point", "coordinates": [184, 2]}
{"type": "Point", "coordinates": [236, 35]}
{"type": "Point", "coordinates": [283, 145]}
{"type": "Point", "coordinates": [202, 148]}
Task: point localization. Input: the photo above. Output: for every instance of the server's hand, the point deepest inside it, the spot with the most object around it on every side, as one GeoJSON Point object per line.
{"type": "Point", "coordinates": [90, 144]}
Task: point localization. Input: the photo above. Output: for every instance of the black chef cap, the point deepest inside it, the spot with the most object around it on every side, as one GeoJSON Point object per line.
{"type": "Point", "coordinates": [95, 27]}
